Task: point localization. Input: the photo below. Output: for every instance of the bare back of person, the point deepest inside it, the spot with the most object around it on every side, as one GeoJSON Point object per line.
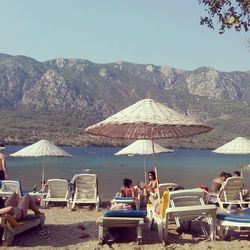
{"type": "Point", "coordinates": [216, 185]}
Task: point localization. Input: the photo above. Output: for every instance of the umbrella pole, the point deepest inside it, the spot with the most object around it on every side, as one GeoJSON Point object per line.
{"type": "Point", "coordinates": [155, 168]}
{"type": "Point", "coordinates": [43, 176]}
{"type": "Point", "coordinates": [145, 170]}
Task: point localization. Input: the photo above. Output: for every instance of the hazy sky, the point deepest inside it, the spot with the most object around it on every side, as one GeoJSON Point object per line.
{"type": "Point", "coordinates": [161, 32]}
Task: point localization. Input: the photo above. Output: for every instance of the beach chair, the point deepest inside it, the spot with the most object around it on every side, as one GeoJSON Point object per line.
{"type": "Point", "coordinates": [134, 201]}
{"type": "Point", "coordinates": [167, 187]}
{"type": "Point", "coordinates": [230, 193]}
{"type": "Point", "coordinates": [86, 190]}
{"type": "Point", "coordinates": [225, 221]}
{"type": "Point", "coordinates": [11, 227]}
{"type": "Point", "coordinates": [182, 206]}
{"type": "Point", "coordinates": [120, 219]}
{"type": "Point", "coordinates": [8, 187]}
{"type": "Point", "coordinates": [58, 191]}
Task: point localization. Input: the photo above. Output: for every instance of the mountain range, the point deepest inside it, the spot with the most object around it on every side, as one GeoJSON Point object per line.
{"type": "Point", "coordinates": [57, 99]}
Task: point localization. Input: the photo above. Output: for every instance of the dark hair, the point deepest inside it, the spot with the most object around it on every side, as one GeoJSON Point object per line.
{"type": "Point", "coordinates": [237, 173]}
{"type": "Point", "coordinates": [127, 182]}
{"type": "Point", "coordinates": [2, 145]}
{"type": "Point", "coordinates": [228, 175]}
{"type": "Point", "coordinates": [223, 174]}
{"type": "Point", "coordinates": [152, 173]}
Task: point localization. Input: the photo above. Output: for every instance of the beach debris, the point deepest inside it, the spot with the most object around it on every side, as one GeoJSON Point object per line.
{"type": "Point", "coordinates": [87, 170]}
{"type": "Point", "coordinates": [43, 232]}
{"type": "Point", "coordinates": [82, 227]}
{"type": "Point", "coordinates": [83, 235]}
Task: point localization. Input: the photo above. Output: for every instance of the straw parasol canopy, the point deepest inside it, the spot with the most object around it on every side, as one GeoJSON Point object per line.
{"type": "Point", "coordinates": [143, 147]}
{"type": "Point", "coordinates": [41, 148]}
{"type": "Point", "coordinates": [239, 145]}
{"type": "Point", "coordinates": [148, 119]}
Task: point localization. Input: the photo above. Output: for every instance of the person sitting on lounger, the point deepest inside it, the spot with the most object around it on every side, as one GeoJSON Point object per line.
{"type": "Point", "coordinates": [217, 182]}
{"type": "Point", "coordinates": [127, 190]}
{"type": "Point", "coordinates": [18, 206]}
{"type": "Point", "coordinates": [150, 189]}
{"type": "Point", "coordinates": [236, 173]}
{"type": "Point", "coordinates": [245, 192]}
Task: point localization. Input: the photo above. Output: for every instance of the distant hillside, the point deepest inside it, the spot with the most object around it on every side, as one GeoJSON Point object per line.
{"type": "Point", "coordinates": [57, 99]}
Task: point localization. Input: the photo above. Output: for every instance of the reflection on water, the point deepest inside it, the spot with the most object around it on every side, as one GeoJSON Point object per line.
{"type": "Point", "coordinates": [188, 168]}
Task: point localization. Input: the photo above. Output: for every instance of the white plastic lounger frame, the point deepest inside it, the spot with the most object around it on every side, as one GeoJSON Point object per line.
{"type": "Point", "coordinates": [113, 222]}
{"type": "Point", "coordinates": [86, 190]}
{"type": "Point", "coordinates": [230, 193]}
{"type": "Point", "coordinates": [167, 187]}
{"type": "Point", "coordinates": [225, 222]}
{"type": "Point", "coordinates": [9, 187]}
{"type": "Point", "coordinates": [185, 205]}
{"type": "Point", "coordinates": [127, 200]}
{"type": "Point", "coordinates": [9, 231]}
{"type": "Point", "coordinates": [58, 191]}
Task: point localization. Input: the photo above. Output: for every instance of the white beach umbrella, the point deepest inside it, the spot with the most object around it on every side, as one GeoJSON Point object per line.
{"type": "Point", "coordinates": [148, 119]}
{"type": "Point", "coordinates": [41, 148]}
{"type": "Point", "coordinates": [143, 147]}
{"type": "Point", "coordinates": [239, 145]}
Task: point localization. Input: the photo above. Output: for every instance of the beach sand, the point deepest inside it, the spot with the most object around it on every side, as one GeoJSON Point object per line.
{"type": "Point", "coordinates": [64, 233]}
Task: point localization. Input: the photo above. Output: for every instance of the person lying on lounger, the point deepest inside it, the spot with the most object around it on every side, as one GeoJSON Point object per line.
{"type": "Point", "coordinates": [18, 206]}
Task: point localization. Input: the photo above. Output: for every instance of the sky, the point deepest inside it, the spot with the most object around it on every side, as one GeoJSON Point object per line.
{"type": "Point", "coordinates": [162, 32]}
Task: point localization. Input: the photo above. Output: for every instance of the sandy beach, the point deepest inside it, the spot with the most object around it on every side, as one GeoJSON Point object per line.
{"type": "Point", "coordinates": [63, 233]}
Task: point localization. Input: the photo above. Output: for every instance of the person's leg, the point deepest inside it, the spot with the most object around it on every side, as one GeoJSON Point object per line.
{"type": "Point", "coordinates": [23, 204]}
{"type": "Point", "coordinates": [16, 212]}
{"type": "Point", "coordinates": [12, 201]}
{"type": "Point", "coordinates": [33, 206]}
{"type": "Point", "coordinates": [6, 210]}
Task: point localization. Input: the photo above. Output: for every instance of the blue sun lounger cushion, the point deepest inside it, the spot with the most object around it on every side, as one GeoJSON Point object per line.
{"type": "Point", "coordinates": [126, 213]}
{"type": "Point", "coordinates": [243, 216]}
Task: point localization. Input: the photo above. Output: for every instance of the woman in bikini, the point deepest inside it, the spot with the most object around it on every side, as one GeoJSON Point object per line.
{"type": "Point", "coordinates": [150, 189]}
{"type": "Point", "coordinates": [127, 190]}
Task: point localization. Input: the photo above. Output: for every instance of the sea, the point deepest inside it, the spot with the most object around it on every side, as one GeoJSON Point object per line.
{"type": "Point", "coordinates": [187, 167]}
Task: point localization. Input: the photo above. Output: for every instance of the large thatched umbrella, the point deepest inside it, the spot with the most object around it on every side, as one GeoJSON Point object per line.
{"type": "Point", "coordinates": [148, 119]}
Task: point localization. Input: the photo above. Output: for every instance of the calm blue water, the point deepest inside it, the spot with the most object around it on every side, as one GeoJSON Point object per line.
{"type": "Point", "coordinates": [188, 168]}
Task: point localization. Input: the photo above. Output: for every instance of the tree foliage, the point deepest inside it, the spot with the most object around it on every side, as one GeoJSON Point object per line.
{"type": "Point", "coordinates": [228, 14]}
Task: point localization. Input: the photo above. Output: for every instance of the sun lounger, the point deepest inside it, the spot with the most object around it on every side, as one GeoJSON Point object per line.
{"type": "Point", "coordinates": [182, 206]}
{"type": "Point", "coordinates": [227, 220]}
{"type": "Point", "coordinates": [86, 190]}
{"type": "Point", "coordinates": [126, 200]}
{"type": "Point", "coordinates": [8, 187]}
{"type": "Point", "coordinates": [121, 218]}
{"type": "Point", "coordinates": [58, 191]}
{"type": "Point", "coordinates": [167, 187]}
{"type": "Point", "coordinates": [230, 193]}
{"type": "Point", "coordinates": [11, 227]}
